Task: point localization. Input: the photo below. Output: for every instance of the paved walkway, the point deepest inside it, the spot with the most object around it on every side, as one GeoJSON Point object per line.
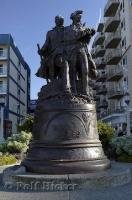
{"type": "Point", "coordinates": [115, 193]}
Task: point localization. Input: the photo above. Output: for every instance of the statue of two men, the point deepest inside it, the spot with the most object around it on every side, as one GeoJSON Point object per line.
{"type": "Point", "coordinates": [65, 54]}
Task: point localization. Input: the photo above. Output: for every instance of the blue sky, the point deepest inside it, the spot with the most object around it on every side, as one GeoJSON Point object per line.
{"type": "Point", "coordinates": [29, 20]}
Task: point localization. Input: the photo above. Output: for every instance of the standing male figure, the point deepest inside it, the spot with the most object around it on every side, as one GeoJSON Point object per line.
{"type": "Point", "coordinates": [81, 64]}
{"type": "Point", "coordinates": [51, 49]}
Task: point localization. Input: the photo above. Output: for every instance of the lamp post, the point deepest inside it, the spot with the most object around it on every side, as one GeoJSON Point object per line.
{"type": "Point", "coordinates": [128, 114]}
{"type": "Point", "coordinates": [2, 122]}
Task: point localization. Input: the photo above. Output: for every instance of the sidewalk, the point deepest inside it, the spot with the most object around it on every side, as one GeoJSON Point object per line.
{"type": "Point", "coordinates": [114, 193]}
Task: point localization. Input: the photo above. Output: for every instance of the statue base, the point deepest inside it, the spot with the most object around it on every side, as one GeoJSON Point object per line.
{"type": "Point", "coordinates": [65, 137]}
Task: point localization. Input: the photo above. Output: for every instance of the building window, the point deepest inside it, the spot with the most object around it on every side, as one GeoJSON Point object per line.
{"type": "Point", "coordinates": [1, 69]}
{"type": "Point", "coordinates": [123, 24]}
{"type": "Point", "coordinates": [123, 5]}
{"type": "Point", "coordinates": [124, 61]}
{"type": "Point", "coordinates": [18, 76]}
{"type": "Point", "coordinates": [18, 91]}
{"type": "Point", "coordinates": [1, 51]}
{"type": "Point", "coordinates": [124, 42]}
{"type": "Point", "coordinates": [1, 85]}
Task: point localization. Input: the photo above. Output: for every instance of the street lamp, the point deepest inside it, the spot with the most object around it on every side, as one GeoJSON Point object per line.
{"type": "Point", "coordinates": [128, 114]}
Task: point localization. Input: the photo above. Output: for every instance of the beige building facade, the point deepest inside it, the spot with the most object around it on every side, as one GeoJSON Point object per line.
{"type": "Point", "coordinates": [112, 52]}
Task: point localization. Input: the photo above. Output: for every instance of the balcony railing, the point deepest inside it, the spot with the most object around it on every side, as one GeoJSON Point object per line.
{"type": "Point", "coordinates": [100, 51]}
{"type": "Point", "coordinates": [112, 24]}
{"type": "Point", "coordinates": [100, 27]}
{"type": "Point", "coordinates": [116, 93]}
{"type": "Point", "coordinates": [111, 8]}
{"type": "Point", "coordinates": [99, 39]}
{"type": "Point", "coordinates": [101, 77]}
{"type": "Point", "coordinates": [3, 89]}
{"type": "Point", "coordinates": [117, 110]}
{"type": "Point", "coordinates": [103, 104]}
{"type": "Point", "coordinates": [100, 63]}
{"type": "Point", "coordinates": [113, 56]}
{"type": "Point", "coordinates": [115, 74]}
{"type": "Point", "coordinates": [3, 54]}
{"type": "Point", "coordinates": [102, 90]}
{"type": "Point", "coordinates": [113, 40]}
{"type": "Point", "coordinates": [3, 71]}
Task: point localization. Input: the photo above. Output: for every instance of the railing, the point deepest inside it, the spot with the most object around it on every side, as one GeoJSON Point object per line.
{"type": "Point", "coordinates": [3, 88]}
{"type": "Point", "coordinates": [100, 50]}
{"type": "Point", "coordinates": [109, 3]}
{"type": "Point", "coordinates": [101, 89]}
{"type": "Point", "coordinates": [100, 36]}
{"type": "Point", "coordinates": [112, 111]}
{"type": "Point", "coordinates": [112, 19]}
{"type": "Point", "coordinates": [117, 70]}
{"type": "Point", "coordinates": [116, 92]}
{"type": "Point", "coordinates": [112, 36]}
{"type": "Point", "coordinates": [116, 110]}
{"type": "Point", "coordinates": [3, 71]}
{"type": "Point", "coordinates": [99, 62]}
{"type": "Point", "coordinates": [113, 53]}
{"type": "Point", "coordinates": [3, 54]}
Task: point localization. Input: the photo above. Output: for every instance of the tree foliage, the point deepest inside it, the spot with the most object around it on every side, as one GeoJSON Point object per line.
{"type": "Point", "coordinates": [27, 124]}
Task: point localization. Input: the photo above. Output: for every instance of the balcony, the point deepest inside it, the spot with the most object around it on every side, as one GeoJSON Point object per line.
{"type": "Point", "coordinates": [3, 54]}
{"type": "Point", "coordinates": [117, 110]}
{"type": "Point", "coordinates": [113, 56]}
{"type": "Point", "coordinates": [101, 77]}
{"type": "Point", "coordinates": [111, 8]}
{"type": "Point", "coordinates": [113, 40]}
{"type": "Point", "coordinates": [96, 97]}
{"type": "Point", "coordinates": [100, 63]}
{"type": "Point", "coordinates": [112, 24]}
{"type": "Point", "coordinates": [116, 93]}
{"type": "Point", "coordinates": [99, 39]}
{"type": "Point", "coordinates": [100, 27]}
{"type": "Point", "coordinates": [101, 90]}
{"type": "Point", "coordinates": [115, 74]}
{"type": "Point", "coordinates": [3, 72]}
{"type": "Point", "coordinates": [100, 51]}
{"type": "Point", "coordinates": [103, 104]}
{"type": "Point", "coordinates": [3, 89]}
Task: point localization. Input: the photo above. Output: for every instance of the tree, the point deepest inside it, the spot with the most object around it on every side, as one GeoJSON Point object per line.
{"type": "Point", "coordinates": [27, 125]}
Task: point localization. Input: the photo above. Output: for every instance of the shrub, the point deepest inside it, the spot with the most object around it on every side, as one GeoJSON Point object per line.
{"type": "Point", "coordinates": [106, 132]}
{"type": "Point", "coordinates": [16, 147]}
{"type": "Point", "coordinates": [17, 143]}
{"type": "Point", "coordinates": [122, 146]}
{"type": "Point", "coordinates": [7, 160]}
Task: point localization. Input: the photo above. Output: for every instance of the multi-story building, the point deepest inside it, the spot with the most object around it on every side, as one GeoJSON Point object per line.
{"type": "Point", "coordinates": [112, 51]}
{"type": "Point", "coordinates": [32, 107]}
{"type": "Point", "coordinates": [14, 86]}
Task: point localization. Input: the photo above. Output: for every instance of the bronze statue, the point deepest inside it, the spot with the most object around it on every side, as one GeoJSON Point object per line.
{"type": "Point", "coordinates": [65, 135]}
{"type": "Point", "coordinates": [65, 54]}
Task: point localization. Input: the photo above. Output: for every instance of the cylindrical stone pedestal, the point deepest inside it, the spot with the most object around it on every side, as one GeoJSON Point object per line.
{"type": "Point", "coordinates": [65, 139]}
